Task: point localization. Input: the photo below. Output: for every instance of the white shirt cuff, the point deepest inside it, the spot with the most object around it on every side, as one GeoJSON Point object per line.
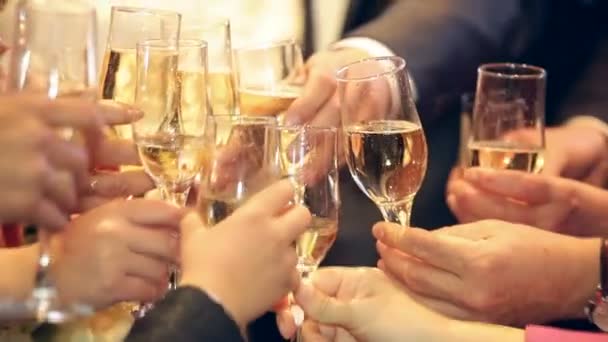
{"type": "Point", "coordinates": [375, 49]}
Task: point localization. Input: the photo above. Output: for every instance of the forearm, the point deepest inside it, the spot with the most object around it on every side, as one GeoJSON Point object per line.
{"type": "Point", "coordinates": [17, 271]}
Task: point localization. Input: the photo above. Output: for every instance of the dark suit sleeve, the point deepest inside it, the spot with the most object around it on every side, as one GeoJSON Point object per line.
{"type": "Point", "coordinates": [444, 41]}
{"type": "Point", "coordinates": [186, 314]}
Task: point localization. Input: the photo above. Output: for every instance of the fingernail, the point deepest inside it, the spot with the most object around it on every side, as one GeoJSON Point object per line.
{"type": "Point", "coordinates": [298, 315]}
{"type": "Point", "coordinates": [380, 247]}
{"type": "Point", "coordinates": [292, 119]}
{"type": "Point", "coordinates": [378, 231]}
{"type": "Point", "coordinates": [135, 113]}
{"type": "Point", "coordinates": [471, 175]}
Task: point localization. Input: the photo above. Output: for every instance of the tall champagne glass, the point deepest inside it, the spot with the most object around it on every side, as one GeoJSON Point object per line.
{"type": "Point", "coordinates": [309, 159]}
{"type": "Point", "coordinates": [509, 118]}
{"type": "Point", "coordinates": [128, 26]}
{"type": "Point", "coordinates": [52, 55]}
{"type": "Point", "coordinates": [384, 142]}
{"type": "Point", "coordinates": [171, 91]}
{"type": "Point", "coordinates": [243, 161]}
{"type": "Point", "coordinates": [221, 85]}
{"type": "Point", "coordinates": [269, 77]}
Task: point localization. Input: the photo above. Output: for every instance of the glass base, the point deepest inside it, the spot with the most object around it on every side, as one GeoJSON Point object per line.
{"type": "Point", "coordinates": [46, 307]}
{"type": "Point", "coordinates": [43, 306]}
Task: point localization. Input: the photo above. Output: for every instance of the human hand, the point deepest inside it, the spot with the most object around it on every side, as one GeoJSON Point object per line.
{"type": "Point", "coordinates": [248, 260]}
{"type": "Point", "coordinates": [319, 103]}
{"type": "Point", "coordinates": [363, 304]}
{"type": "Point", "coordinates": [575, 150]}
{"type": "Point", "coordinates": [41, 171]}
{"type": "Point", "coordinates": [492, 271]}
{"type": "Point", "coordinates": [105, 185]}
{"type": "Point", "coordinates": [117, 252]}
{"type": "Point", "coordinates": [551, 203]}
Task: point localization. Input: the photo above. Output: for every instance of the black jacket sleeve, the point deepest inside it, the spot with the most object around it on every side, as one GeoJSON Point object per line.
{"type": "Point", "coordinates": [444, 41]}
{"type": "Point", "coordinates": [186, 314]}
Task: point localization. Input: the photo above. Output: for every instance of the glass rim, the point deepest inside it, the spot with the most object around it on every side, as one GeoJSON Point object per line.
{"type": "Point", "coordinates": [399, 66]}
{"type": "Point", "coordinates": [268, 44]}
{"type": "Point", "coordinates": [171, 44]}
{"type": "Point", "coordinates": [145, 10]}
{"type": "Point", "coordinates": [326, 129]}
{"type": "Point", "coordinates": [242, 118]}
{"type": "Point", "coordinates": [535, 72]}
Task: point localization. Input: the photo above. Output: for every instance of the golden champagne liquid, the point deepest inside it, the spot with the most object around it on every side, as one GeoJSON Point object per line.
{"type": "Point", "coordinates": [117, 83]}
{"type": "Point", "coordinates": [192, 94]}
{"type": "Point", "coordinates": [313, 245]}
{"type": "Point", "coordinates": [387, 159]}
{"type": "Point", "coordinates": [170, 159]}
{"type": "Point", "coordinates": [222, 93]}
{"type": "Point", "coordinates": [506, 156]}
{"type": "Point", "coordinates": [213, 210]}
{"type": "Point", "coordinates": [254, 101]}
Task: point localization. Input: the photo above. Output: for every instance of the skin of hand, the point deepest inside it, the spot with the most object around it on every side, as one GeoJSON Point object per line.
{"type": "Point", "coordinates": [551, 203]}
{"type": "Point", "coordinates": [120, 251]}
{"type": "Point", "coordinates": [492, 271]}
{"type": "Point", "coordinates": [319, 103]}
{"type": "Point", "coordinates": [364, 304]}
{"type": "Point", "coordinates": [247, 261]}
{"type": "Point", "coordinates": [578, 152]}
{"type": "Point", "coordinates": [105, 186]}
{"type": "Point", "coordinates": [41, 172]}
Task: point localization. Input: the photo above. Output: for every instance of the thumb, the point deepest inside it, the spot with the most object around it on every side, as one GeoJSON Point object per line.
{"type": "Point", "coordinates": [190, 223]}
{"type": "Point", "coordinates": [323, 308]}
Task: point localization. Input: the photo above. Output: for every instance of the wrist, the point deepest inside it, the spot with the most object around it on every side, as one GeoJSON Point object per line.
{"type": "Point", "coordinates": [584, 279]}
{"type": "Point", "coordinates": [219, 294]}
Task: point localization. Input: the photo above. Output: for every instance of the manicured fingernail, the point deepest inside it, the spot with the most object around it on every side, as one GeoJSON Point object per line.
{"type": "Point", "coordinates": [298, 315]}
{"type": "Point", "coordinates": [471, 174]}
{"type": "Point", "coordinates": [378, 232]}
{"type": "Point", "coordinates": [135, 113]}
{"type": "Point", "coordinates": [293, 119]}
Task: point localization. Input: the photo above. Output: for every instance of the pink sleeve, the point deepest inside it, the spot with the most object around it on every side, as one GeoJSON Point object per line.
{"type": "Point", "coordinates": [546, 334]}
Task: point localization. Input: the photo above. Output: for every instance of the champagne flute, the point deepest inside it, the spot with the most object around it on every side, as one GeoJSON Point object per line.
{"type": "Point", "coordinates": [309, 158]}
{"type": "Point", "coordinates": [171, 91]}
{"type": "Point", "coordinates": [222, 92]}
{"type": "Point", "coordinates": [128, 26]}
{"type": "Point", "coordinates": [243, 161]}
{"type": "Point", "coordinates": [384, 142]}
{"type": "Point", "coordinates": [52, 55]}
{"type": "Point", "coordinates": [508, 130]}
{"type": "Point", "coordinates": [269, 77]}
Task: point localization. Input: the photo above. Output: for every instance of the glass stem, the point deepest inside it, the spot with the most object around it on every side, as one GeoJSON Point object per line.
{"type": "Point", "coordinates": [298, 336]}
{"type": "Point", "coordinates": [178, 197]}
{"type": "Point", "coordinates": [175, 196]}
{"type": "Point", "coordinates": [43, 282]}
{"type": "Point", "coordinates": [397, 212]}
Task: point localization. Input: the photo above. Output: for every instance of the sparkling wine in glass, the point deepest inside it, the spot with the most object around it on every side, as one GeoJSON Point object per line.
{"type": "Point", "coordinates": [128, 26]}
{"type": "Point", "coordinates": [221, 78]}
{"type": "Point", "coordinates": [508, 130]}
{"type": "Point", "coordinates": [309, 159]}
{"type": "Point", "coordinates": [384, 141]}
{"type": "Point", "coordinates": [269, 77]}
{"type": "Point", "coordinates": [52, 55]}
{"type": "Point", "coordinates": [243, 161]}
{"type": "Point", "coordinates": [171, 91]}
